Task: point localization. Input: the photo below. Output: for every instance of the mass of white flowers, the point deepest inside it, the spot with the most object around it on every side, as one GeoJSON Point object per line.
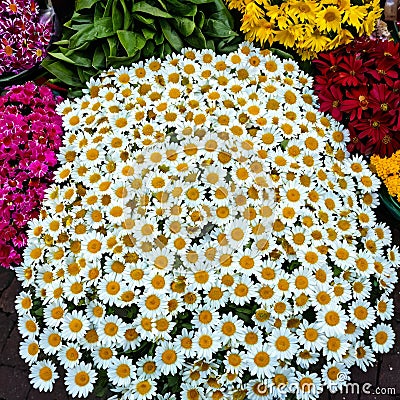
{"type": "Point", "coordinates": [206, 237]}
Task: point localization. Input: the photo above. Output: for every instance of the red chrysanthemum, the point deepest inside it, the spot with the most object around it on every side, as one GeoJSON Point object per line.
{"type": "Point", "coordinates": [359, 85]}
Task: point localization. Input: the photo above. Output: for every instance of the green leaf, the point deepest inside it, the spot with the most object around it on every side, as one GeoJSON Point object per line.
{"type": "Point", "coordinates": [80, 60]}
{"type": "Point", "coordinates": [171, 35]}
{"type": "Point", "coordinates": [60, 56]}
{"type": "Point", "coordinates": [148, 33]}
{"type": "Point", "coordinates": [61, 42]}
{"type": "Point", "coordinates": [146, 8]}
{"type": "Point", "coordinates": [127, 16]}
{"type": "Point", "coordinates": [218, 29]}
{"type": "Point", "coordinates": [62, 72]}
{"type": "Point", "coordinates": [162, 4]}
{"type": "Point", "coordinates": [200, 1]}
{"type": "Point", "coordinates": [117, 16]}
{"type": "Point", "coordinates": [199, 19]}
{"type": "Point", "coordinates": [181, 9]}
{"type": "Point", "coordinates": [149, 49]}
{"type": "Point", "coordinates": [184, 25]}
{"type": "Point", "coordinates": [81, 4]}
{"type": "Point", "coordinates": [197, 39]}
{"type": "Point", "coordinates": [104, 27]}
{"type": "Point", "coordinates": [158, 38]}
{"type": "Point", "coordinates": [98, 12]}
{"type": "Point", "coordinates": [84, 35]}
{"type": "Point", "coordinates": [131, 41]}
{"type": "Point", "coordinates": [112, 45]}
{"type": "Point", "coordinates": [281, 53]}
{"type": "Point", "coordinates": [81, 19]}
{"type": "Point", "coordinates": [143, 20]}
{"type": "Point", "coordinates": [107, 9]}
{"type": "Point", "coordinates": [99, 58]}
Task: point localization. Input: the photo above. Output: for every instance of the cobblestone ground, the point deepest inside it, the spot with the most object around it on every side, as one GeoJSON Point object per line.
{"type": "Point", "coordinates": [382, 382]}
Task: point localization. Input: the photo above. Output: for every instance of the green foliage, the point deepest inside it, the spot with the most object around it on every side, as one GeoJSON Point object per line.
{"type": "Point", "coordinates": [111, 33]}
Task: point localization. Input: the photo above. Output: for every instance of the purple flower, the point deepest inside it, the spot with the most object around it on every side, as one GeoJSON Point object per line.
{"type": "Point", "coordinates": [25, 35]}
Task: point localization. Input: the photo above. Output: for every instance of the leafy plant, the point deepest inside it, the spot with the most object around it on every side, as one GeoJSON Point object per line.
{"type": "Point", "coordinates": [106, 33]}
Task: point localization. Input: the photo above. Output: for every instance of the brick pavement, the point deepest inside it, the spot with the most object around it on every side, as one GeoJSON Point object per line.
{"type": "Point", "coordinates": [14, 381]}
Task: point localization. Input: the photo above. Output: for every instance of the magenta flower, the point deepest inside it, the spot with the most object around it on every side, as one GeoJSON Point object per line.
{"type": "Point", "coordinates": [30, 135]}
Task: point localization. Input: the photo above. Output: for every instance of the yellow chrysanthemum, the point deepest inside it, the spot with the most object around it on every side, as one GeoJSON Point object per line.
{"type": "Point", "coordinates": [388, 169]}
{"type": "Point", "coordinates": [306, 26]}
{"type": "Point", "coordinates": [329, 19]}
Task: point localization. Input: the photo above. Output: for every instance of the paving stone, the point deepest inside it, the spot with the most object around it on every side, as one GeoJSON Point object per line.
{"type": "Point", "coordinates": [370, 376]}
{"type": "Point", "coordinates": [377, 396]}
{"type": "Point", "coordinates": [58, 393]}
{"type": "Point", "coordinates": [6, 323]}
{"type": "Point", "coordinates": [396, 299]}
{"type": "Point", "coordinates": [10, 354]}
{"type": "Point", "coordinates": [350, 392]}
{"type": "Point", "coordinates": [389, 373]}
{"type": "Point", "coordinates": [8, 297]}
{"type": "Point", "coordinates": [6, 277]}
{"type": "Point", "coordinates": [12, 386]}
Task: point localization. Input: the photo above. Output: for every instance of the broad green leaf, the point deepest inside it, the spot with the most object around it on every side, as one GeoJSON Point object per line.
{"type": "Point", "coordinates": [85, 75]}
{"type": "Point", "coordinates": [104, 27]}
{"type": "Point", "coordinates": [149, 49]}
{"type": "Point", "coordinates": [72, 94]}
{"type": "Point", "coordinates": [61, 56]}
{"type": "Point", "coordinates": [159, 38]}
{"type": "Point", "coordinates": [184, 25]}
{"type": "Point", "coordinates": [171, 35]}
{"type": "Point", "coordinates": [221, 13]}
{"type": "Point", "coordinates": [61, 42]}
{"type": "Point", "coordinates": [143, 20]}
{"type": "Point", "coordinates": [112, 45]}
{"type": "Point", "coordinates": [148, 33]}
{"type": "Point", "coordinates": [229, 45]}
{"type": "Point", "coordinates": [197, 39]}
{"type": "Point", "coordinates": [218, 29]}
{"type": "Point", "coordinates": [79, 27]}
{"type": "Point", "coordinates": [117, 17]}
{"type": "Point", "coordinates": [210, 44]}
{"type": "Point", "coordinates": [118, 61]}
{"type": "Point", "coordinates": [200, 2]}
{"type": "Point", "coordinates": [162, 4]}
{"type": "Point", "coordinates": [84, 35]}
{"type": "Point", "coordinates": [82, 19]}
{"type": "Point", "coordinates": [98, 12]}
{"type": "Point", "coordinates": [107, 9]}
{"type": "Point", "coordinates": [83, 46]}
{"type": "Point", "coordinates": [131, 41]}
{"type": "Point", "coordinates": [146, 8]}
{"type": "Point", "coordinates": [281, 53]}
{"type": "Point", "coordinates": [62, 72]}
{"type": "Point", "coordinates": [177, 7]}
{"type": "Point", "coordinates": [167, 49]}
{"type": "Point", "coordinates": [80, 60]}
{"type": "Point", "coordinates": [99, 58]}
{"type": "Point", "coordinates": [81, 4]}
{"type": "Point", "coordinates": [199, 19]}
{"type": "Point", "coordinates": [127, 16]}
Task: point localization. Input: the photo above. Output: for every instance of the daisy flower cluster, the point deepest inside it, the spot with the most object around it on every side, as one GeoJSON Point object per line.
{"type": "Point", "coordinates": [25, 35]}
{"type": "Point", "coordinates": [30, 134]}
{"type": "Point", "coordinates": [358, 85]}
{"type": "Point", "coordinates": [308, 27]}
{"type": "Point", "coordinates": [206, 237]}
{"type": "Point", "coordinates": [388, 169]}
